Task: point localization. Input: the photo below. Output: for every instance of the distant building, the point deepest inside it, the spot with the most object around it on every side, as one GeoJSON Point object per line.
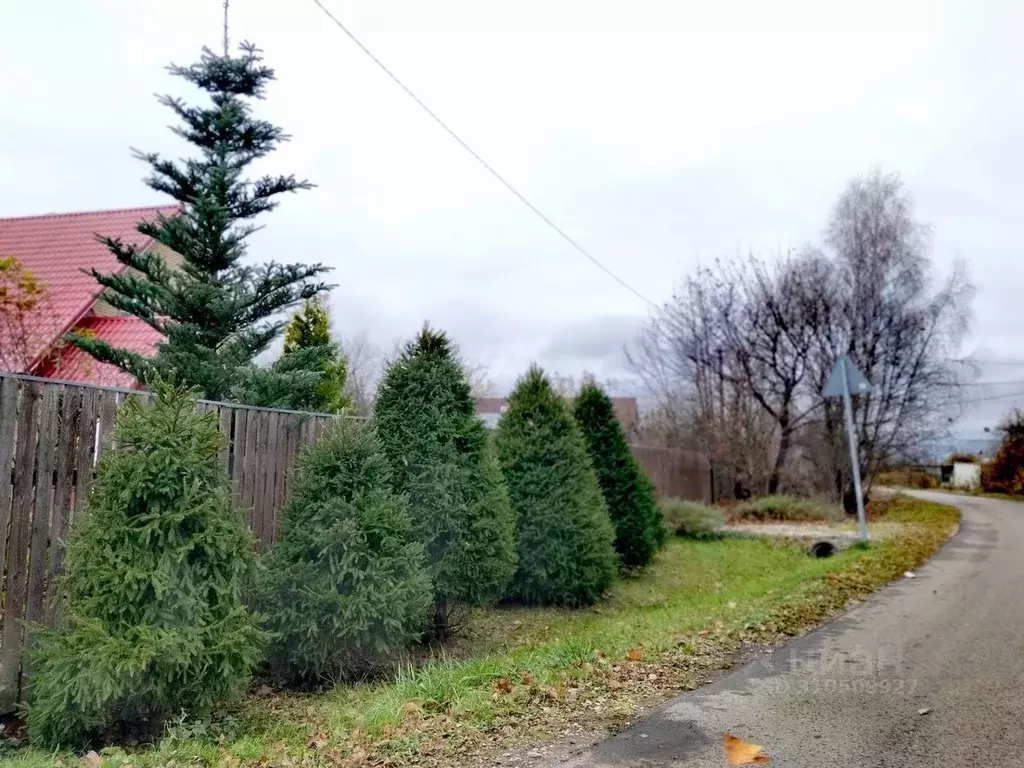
{"type": "Point", "coordinates": [489, 409]}
{"type": "Point", "coordinates": [59, 250]}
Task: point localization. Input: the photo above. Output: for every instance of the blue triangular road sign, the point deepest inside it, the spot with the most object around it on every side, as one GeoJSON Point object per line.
{"type": "Point", "coordinates": [854, 379]}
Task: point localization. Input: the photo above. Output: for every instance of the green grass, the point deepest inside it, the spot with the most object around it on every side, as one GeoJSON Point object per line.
{"type": "Point", "coordinates": [520, 675]}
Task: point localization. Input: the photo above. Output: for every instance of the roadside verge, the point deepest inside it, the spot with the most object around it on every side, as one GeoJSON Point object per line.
{"type": "Point", "coordinates": [525, 681]}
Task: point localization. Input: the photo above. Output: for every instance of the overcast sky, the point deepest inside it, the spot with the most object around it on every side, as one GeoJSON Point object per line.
{"type": "Point", "coordinates": [658, 134]}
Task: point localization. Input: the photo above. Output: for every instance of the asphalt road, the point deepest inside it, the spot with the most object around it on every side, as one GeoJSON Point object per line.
{"type": "Point", "coordinates": [950, 641]}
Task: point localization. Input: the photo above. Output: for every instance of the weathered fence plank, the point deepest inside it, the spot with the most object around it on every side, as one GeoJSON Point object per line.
{"type": "Point", "coordinates": [17, 563]}
{"type": "Point", "coordinates": [49, 432]}
{"type": "Point", "coordinates": [266, 532]}
{"type": "Point", "coordinates": [225, 430]}
{"type": "Point", "coordinates": [9, 393]}
{"type": "Point", "coordinates": [85, 453]}
{"type": "Point", "coordinates": [251, 464]}
{"type": "Point", "coordinates": [108, 415]}
{"type": "Point", "coordinates": [67, 444]}
{"type": "Point", "coordinates": [238, 455]}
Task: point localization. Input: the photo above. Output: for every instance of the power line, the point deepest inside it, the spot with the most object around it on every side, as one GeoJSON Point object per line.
{"type": "Point", "coordinates": [993, 397]}
{"type": "Point", "coordinates": [979, 361]}
{"type": "Point", "coordinates": [1019, 383]}
{"type": "Point", "coordinates": [490, 169]}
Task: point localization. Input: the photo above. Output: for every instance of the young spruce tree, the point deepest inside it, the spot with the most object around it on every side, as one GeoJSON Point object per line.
{"type": "Point", "coordinates": [309, 375]}
{"type": "Point", "coordinates": [216, 312]}
{"type": "Point", "coordinates": [346, 584]}
{"type": "Point", "coordinates": [443, 462]}
{"type": "Point", "coordinates": [628, 492]}
{"type": "Point", "coordinates": [564, 537]}
{"type": "Point", "coordinates": [153, 622]}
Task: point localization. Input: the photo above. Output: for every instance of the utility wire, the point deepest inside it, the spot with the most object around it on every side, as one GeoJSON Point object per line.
{"type": "Point", "coordinates": [487, 166]}
{"type": "Point", "coordinates": [1018, 383]}
{"type": "Point", "coordinates": [993, 397]}
{"type": "Point", "coordinates": [981, 361]}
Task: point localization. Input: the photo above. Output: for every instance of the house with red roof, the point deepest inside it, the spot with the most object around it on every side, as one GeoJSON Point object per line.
{"type": "Point", "coordinates": [58, 250]}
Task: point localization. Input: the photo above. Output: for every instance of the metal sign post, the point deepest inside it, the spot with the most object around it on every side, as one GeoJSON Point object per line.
{"type": "Point", "coordinates": [844, 378]}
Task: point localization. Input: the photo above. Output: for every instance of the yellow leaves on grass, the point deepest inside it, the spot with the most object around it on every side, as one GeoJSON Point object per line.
{"type": "Point", "coordinates": [635, 654]}
{"type": "Point", "coordinates": [740, 752]}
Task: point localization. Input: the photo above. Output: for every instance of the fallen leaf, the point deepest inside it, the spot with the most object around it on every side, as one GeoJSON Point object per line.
{"type": "Point", "coordinates": [355, 759]}
{"type": "Point", "coordinates": [528, 679]}
{"type": "Point", "coordinates": [731, 604]}
{"type": "Point", "coordinates": [740, 752]}
{"type": "Point", "coordinates": [924, 711]}
{"type": "Point", "coordinates": [91, 760]}
{"type": "Point", "coordinates": [412, 707]}
{"type": "Point", "coordinates": [317, 741]}
{"type": "Point", "coordinates": [635, 654]}
{"type": "Point", "coordinates": [504, 686]}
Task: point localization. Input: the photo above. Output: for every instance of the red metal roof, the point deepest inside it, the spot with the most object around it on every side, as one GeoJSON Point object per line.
{"type": "Point", "coordinates": [73, 364]}
{"type": "Point", "coordinates": [55, 248]}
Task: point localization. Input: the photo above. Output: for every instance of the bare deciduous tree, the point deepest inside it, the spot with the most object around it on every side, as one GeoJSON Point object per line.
{"type": "Point", "coordinates": [897, 326]}
{"type": "Point", "coordinates": [366, 362]}
{"type": "Point", "coordinates": [769, 333]}
{"type": "Point", "coordinates": [738, 334]}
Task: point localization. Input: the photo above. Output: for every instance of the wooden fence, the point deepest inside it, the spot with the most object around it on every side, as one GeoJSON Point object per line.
{"type": "Point", "coordinates": [51, 436]}
{"type": "Point", "coordinates": [675, 473]}
{"type": "Point", "coordinates": [53, 433]}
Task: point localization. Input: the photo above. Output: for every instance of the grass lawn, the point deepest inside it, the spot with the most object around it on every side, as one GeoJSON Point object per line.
{"type": "Point", "coordinates": [528, 676]}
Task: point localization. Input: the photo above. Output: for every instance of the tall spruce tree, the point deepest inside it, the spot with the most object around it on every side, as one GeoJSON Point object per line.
{"type": "Point", "coordinates": [153, 622]}
{"type": "Point", "coordinates": [443, 461]}
{"type": "Point", "coordinates": [564, 537]}
{"type": "Point", "coordinates": [309, 375]}
{"type": "Point", "coordinates": [628, 492]}
{"type": "Point", "coordinates": [217, 313]}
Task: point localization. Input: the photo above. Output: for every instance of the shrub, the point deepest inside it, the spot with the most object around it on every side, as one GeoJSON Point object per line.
{"type": "Point", "coordinates": [907, 479]}
{"type": "Point", "coordinates": [1005, 473]}
{"type": "Point", "coordinates": [564, 537]}
{"type": "Point", "coordinates": [153, 620]}
{"type": "Point", "coordinates": [441, 458]}
{"type": "Point", "coordinates": [628, 492]}
{"type": "Point", "coordinates": [785, 508]}
{"type": "Point", "coordinates": [691, 518]}
{"type": "Point", "coordinates": [346, 584]}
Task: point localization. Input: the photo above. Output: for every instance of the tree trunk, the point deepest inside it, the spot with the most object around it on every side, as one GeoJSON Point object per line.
{"type": "Point", "coordinates": [785, 439]}
{"type": "Point", "coordinates": [441, 619]}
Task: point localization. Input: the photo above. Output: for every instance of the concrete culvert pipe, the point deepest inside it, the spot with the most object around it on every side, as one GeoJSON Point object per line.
{"type": "Point", "coordinates": [822, 549]}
